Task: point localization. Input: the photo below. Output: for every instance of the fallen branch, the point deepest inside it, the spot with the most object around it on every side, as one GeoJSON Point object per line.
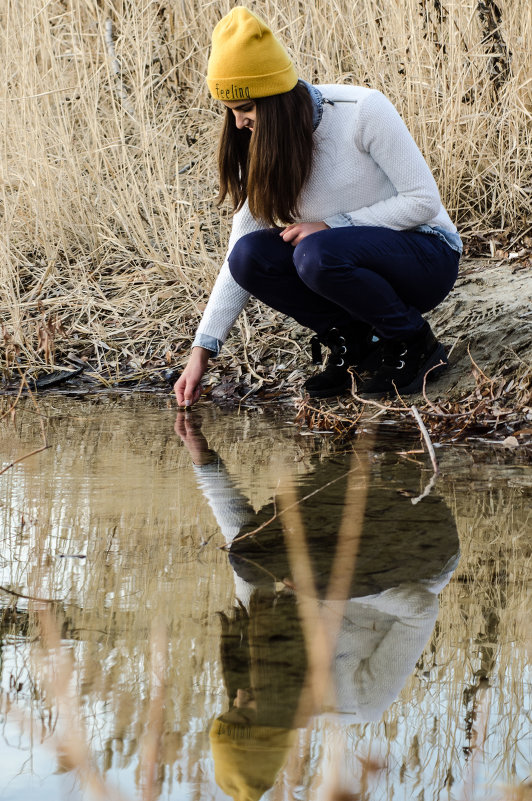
{"type": "Point", "coordinates": [29, 597]}
{"type": "Point", "coordinates": [427, 439]}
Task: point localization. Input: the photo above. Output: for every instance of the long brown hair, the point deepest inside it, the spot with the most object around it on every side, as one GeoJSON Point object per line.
{"type": "Point", "coordinates": [270, 167]}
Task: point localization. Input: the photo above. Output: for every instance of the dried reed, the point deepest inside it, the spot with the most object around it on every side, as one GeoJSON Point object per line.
{"type": "Point", "coordinates": [108, 234]}
{"type": "Point", "coordinates": [321, 622]}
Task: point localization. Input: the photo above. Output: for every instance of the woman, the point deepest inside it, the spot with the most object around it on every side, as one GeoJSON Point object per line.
{"type": "Point", "coordinates": [338, 223]}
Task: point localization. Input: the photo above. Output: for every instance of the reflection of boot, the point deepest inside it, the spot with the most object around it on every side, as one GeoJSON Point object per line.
{"type": "Point", "coordinates": [349, 347]}
{"type": "Point", "coordinates": [405, 363]}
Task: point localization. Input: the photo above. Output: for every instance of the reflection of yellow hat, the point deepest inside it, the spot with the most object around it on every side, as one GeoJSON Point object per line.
{"type": "Point", "coordinates": [247, 61]}
{"type": "Point", "coordinates": [248, 758]}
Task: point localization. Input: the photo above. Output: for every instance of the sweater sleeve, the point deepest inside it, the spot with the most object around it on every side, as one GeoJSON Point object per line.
{"type": "Point", "coordinates": [227, 298]}
{"type": "Point", "coordinates": [382, 134]}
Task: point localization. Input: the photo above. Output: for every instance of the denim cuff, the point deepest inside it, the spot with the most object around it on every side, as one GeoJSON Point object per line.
{"type": "Point", "coordinates": [207, 342]}
{"type": "Point", "coordinates": [339, 221]}
{"type": "Point", "coordinates": [453, 240]}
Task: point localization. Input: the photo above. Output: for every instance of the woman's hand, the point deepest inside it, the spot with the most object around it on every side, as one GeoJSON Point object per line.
{"type": "Point", "coordinates": [297, 231]}
{"type": "Point", "coordinates": [187, 388]}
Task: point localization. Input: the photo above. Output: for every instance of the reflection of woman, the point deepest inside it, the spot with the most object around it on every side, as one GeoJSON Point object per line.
{"type": "Point", "coordinates": [264, 669]}
{"type": "Point", "coordinates": [339, 222]}
{"type": "Point", "coordinates": [262, 654]}
{"type": "Point", "coordinates": [406, 556]}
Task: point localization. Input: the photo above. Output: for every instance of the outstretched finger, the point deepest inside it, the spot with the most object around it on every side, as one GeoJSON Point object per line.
{"type": "Point", "coordinates": [183, 389]}
{"type": "Point", "coordinates": [190, 394]}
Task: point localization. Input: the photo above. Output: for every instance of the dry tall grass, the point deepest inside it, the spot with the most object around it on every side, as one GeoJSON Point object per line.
{"type": "Point", "coordinates": [109, 240]}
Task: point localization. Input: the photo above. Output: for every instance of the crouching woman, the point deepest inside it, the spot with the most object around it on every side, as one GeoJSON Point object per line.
{"type": "Point", "coordinates": [338, 220]}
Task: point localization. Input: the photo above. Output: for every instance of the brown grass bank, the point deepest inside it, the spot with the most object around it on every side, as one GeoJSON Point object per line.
{"type": "Point", "coordinates": [109, 237]}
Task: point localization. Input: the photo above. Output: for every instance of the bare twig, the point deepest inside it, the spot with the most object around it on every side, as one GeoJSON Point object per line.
{"type": "Point", "coordinates": [370, 402]}
{"type": "Point", "coordinates": [426, 491]}
{"type": "Point", "coordinates": [14, 404]}
{"type": "Point", "coordinates": [285, 509]}
{"type": "Point", "coordinates": [426, 437]}
{"type": "Point", "coordinates": [45, 445]}
{"type": "Point", "coordinates": [22, 458]}
{"type": "Point", "coordinates": [424, 390]}
{"type": "Point", "coordinates": [30, 597]}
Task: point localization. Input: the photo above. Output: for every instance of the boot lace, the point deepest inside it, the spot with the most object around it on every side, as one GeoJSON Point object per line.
{"type": "Point", "coordinates": [338, 348]}
{"type": "Point", "coordinates": [394, 353]}
{"type": "Point", "coordinates": [335, 341]}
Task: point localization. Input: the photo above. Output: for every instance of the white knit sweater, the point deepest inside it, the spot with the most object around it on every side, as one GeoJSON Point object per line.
{"type": "Point", "coordinates": [367, 171]}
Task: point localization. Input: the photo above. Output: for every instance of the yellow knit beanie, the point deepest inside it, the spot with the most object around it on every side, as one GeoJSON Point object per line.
{"type": "Point", "coordinates": [247, 61]}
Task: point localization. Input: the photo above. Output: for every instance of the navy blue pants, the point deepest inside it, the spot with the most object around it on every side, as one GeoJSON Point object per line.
{"type": "Point", "coordinates": [375, 276]}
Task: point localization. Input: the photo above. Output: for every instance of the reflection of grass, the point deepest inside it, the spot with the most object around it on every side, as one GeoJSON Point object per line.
{"type": "Point", "coordinates": [475, 673]}
{"type": "Point", "coordinates": [462, 720]}
{"type": "Point", "coordinates": [321, 623]}
{"type": "Point", "coordinates": [145, 561]}
{"type": "Point", "coordinates": [320, 626]}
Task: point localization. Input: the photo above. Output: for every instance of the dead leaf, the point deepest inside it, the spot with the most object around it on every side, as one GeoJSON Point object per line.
{"type": "Point", "coordinates": [510, 442]}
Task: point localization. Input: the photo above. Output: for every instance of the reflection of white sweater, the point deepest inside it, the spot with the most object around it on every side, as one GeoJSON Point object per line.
{"type": "Point", "coordinates": [380, 641]}
{"type": "Point", "coordinates": [381, 636]}
{"type": "Point", "coordinates": [367, 170]}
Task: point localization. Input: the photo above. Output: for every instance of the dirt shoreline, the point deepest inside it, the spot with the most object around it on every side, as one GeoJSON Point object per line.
{"type": "Point", "coordinates": [489, 313]}
{"type": "Point", "coordinates": [486, 323]}
{"type": "Point", "coordinates": [486, 392]}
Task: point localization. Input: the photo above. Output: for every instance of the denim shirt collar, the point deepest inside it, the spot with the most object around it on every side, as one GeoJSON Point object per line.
{"type": "Point", "coordinates": [317, 103]}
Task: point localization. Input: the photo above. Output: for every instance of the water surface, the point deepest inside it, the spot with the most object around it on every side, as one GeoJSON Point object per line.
{"type": "Point", "coordinates": [367, 639]}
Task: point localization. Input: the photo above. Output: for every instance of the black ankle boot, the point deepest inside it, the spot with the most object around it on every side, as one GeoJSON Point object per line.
{"type": "Point", "coordinates": [349, 347]}
{"type": "Point", "coordinates": [405, 362]}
